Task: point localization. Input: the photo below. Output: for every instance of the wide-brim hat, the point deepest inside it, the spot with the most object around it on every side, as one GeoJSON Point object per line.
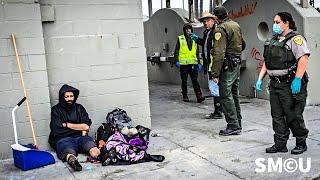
{"type": "Point", "coordinates": [206, 14]}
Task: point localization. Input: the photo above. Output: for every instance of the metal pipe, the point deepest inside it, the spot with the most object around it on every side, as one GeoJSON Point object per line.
{"type": "Point", "coordinates": [218, 2]}
{"type": "Point", "coordinates": [150, 7]}
{"type": "Point", "coordinates": [168, 5]}
{"type": "Point", "coordinates": [190, 3]}
{"type": "Point", "coordinates": [196, 8]}
{"type": "Point", "coordinates": [201, 7]}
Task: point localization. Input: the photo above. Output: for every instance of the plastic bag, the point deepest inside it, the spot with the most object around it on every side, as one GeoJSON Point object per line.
{"type": "Point", "coordinates": [214, 88]}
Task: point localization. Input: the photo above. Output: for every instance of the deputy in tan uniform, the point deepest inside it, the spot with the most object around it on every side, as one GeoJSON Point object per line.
{"type": "Point", "coordinates": [225, 68]}
{"type": "Point", "coordinates": [286, 57]}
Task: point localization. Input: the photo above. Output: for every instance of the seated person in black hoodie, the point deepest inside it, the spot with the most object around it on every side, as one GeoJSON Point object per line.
{"type": "Point", "coordinates": [69, 126]}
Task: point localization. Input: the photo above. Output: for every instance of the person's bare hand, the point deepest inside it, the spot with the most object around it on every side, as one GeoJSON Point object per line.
{"type": "Point", "coordinates": [94, 152]}
{"type": "Point", "coordinates": [85, 127]}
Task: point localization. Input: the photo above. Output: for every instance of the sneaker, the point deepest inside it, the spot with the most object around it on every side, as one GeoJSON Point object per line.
{"type": "Point", "coordinates": [74, 163]}
{"type": "Point", "coordinates": [229, 132]}
{"type": "Point", "coordinates": [299, 149]}
{"type": "Point", "coordinates": [215, 115]}
{"type": "Point", "coordinates": [276, 149]}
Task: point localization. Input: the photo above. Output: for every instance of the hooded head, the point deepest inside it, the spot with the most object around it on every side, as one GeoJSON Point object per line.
{"type": "Point", "coordinates": [68, 96]}
{"type": "Point", "coordinates": [187, 29]}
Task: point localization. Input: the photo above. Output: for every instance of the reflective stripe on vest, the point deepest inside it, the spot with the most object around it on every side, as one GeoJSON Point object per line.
{"type": "Point", "coordinates": [185, 55]}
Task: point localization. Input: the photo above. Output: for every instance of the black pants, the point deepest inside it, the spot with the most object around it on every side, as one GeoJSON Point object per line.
{"type": "Point", "coordinates": [74, 145]}
{"type": "Point", "coordinates": [217, 104]}
{"type": "Point", "coordinates": [287, 113]}
{"type": "Point", "coordinates": [191, 70]}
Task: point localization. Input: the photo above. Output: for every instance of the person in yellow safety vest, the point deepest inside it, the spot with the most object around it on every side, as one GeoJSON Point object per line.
{"type": "Point", "coordinates": [186, 56]}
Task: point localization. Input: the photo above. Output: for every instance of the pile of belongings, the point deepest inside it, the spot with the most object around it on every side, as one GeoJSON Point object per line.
{"type": "Point", "coordinates": [121, 143]}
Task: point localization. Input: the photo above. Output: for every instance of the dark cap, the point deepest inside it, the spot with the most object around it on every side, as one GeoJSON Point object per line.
{"type": "Point", "coordinates": [187, 25]}
{"type": "Point", "coordinates": [221, 12]}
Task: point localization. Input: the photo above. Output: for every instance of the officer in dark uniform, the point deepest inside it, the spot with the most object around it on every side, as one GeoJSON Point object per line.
{"type": "Point", "coordinates": [286, 57]}
{"type": "Point", "coordinates": [225, 68]}
{"type": "Point", "coordinates": [209, 22]}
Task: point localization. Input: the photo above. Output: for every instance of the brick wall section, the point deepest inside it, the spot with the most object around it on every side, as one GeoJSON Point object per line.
{"type": "Point", "coordinates": [98, 47]}
{"type": "Point", "coordinates": [23, 19]}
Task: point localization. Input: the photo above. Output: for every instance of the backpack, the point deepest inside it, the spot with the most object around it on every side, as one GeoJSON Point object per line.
{"type": "Point", "coordinates": [119, 119]}
{"type": "Point", "coordinates": [103, 133]}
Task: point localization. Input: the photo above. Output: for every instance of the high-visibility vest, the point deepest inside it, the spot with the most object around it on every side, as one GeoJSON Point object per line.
{"type": "Point", "coordinates": [187, 56]}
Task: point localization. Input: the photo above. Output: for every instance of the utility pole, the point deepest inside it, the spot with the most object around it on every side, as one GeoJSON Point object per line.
{"type": "Point", "coordinates": [190, 3]}
{"type": "Point", "coordinates": [201, 7]}
{"type": "Point", "coordinates": [218, 2]}
{"type": "Point", "coordinates": [168, 4]}
{"type": "Point", "coordinates": [211, 6]}
{"type": "Point", "coordinates": [150, 7]}
{"type": "Point", "coordinates": [196, 8]}
{"type": "Point", "coordinates": [182, 4]}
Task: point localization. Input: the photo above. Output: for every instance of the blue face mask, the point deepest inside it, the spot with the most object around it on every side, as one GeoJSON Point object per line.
{"type": "Point", "coordinates": [276, 29]}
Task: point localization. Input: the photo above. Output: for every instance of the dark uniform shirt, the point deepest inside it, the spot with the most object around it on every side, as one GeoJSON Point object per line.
{"type": "Point", "coordinates": [227, 40]}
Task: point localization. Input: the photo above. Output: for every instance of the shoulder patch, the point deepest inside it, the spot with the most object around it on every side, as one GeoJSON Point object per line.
{"type": "Point", "coordinates": [298, 40]}
{"type": "Point", "coordinates": [217, 36]}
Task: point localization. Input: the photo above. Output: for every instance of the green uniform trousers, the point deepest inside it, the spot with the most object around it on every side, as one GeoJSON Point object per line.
{"type": "Point", "coordinates": [287, 112]}
{"type": "Point", "coordinates": [229, 92]}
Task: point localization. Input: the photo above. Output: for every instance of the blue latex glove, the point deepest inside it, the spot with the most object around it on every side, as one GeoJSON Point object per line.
{"type": "Point", "coordinates": [177, 64]}
{"type": "Point", "coordinates": [296, 85]}
{"type": "Point", "coordinates": [259, 85]}
{"type": "Point", "coordinates": [194, 37]}
{"type": "Point", "coordinates": [199, 67]}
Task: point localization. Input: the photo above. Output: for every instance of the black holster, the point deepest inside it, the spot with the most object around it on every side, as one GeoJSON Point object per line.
{"type": "Point", "coordinates": [231, 61]}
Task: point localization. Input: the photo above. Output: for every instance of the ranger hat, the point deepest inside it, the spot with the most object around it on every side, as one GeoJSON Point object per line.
{"type": "Point", "coordinates": [206, 14]}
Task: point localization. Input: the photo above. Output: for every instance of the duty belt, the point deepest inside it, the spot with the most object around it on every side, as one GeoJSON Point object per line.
{"type": "Point", "coordinates": [281, 79]}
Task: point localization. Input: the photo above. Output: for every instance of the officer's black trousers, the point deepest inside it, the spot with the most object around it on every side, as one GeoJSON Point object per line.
{"type": "Point", "coordinates": [191, 70]}
{"type": "Point", "coordinates": [287, 112]}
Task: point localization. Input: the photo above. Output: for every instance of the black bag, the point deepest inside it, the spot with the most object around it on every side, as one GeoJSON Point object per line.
{"type": "Point", "coordinates": [104, 132]}
{"type": "Point", "coordinates": [119, 119]}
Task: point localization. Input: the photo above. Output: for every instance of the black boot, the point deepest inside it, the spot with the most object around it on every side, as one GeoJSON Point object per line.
{"type": "Point", "coordinates": [214, 115]}
{"type": "Point", "coordinates": [229, 132]}
{"type": "Point", "coordinates": [199, 96]}
{"type": "Point", "coordinates": [276, 149]}
{"type": "Point", "coordinates": [299, 149]}
{"type": "Point", "coordinates": [156, 158]}
{"type": "Point", "coordinates": [108, 157]}
{"type": "Point", "coordinates": [185, 98]}
{"type": "Point", "coordinates": [74, 163]}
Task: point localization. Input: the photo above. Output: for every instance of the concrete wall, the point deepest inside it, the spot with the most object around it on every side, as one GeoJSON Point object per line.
{"type": "Point", "coordinates": [98, 47]}
{"type": "Point", "coordinates": [163, 27]}
{"type": "Point", "coordinates": [23, 19]}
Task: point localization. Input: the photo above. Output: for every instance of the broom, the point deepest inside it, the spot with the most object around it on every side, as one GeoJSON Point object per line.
{"type": "Point", "coordinates": [24, 88]}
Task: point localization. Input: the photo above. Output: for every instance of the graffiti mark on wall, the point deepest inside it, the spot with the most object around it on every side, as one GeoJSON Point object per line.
{"type": "Point", "coordinates": [245, 10]}
{"type": "Point", "coordinates": [256, 55]}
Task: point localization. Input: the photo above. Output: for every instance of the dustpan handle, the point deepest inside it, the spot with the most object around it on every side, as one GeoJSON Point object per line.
{"type": "Point", "coordinates": [21, 101]}
{"type": "Point", "coordinates": [14, 119]}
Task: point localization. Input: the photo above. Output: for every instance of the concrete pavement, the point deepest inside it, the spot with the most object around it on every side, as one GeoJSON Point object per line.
{"type": "Point", "coordinates": [193, 148]}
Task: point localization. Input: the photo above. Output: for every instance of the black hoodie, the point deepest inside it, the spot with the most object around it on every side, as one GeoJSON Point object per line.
{"type": "Point", "coordinates": [64, 112]}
